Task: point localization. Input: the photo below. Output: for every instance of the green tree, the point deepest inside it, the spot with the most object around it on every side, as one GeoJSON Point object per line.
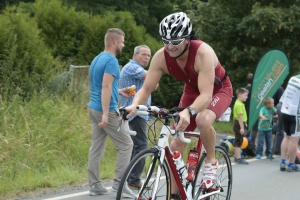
{"type": "Point", "coordinates": [242, 31]}
{"type": "Point", "coordinates": [146, 13]}
{"type": "Point", "coordinates": [5, 3]}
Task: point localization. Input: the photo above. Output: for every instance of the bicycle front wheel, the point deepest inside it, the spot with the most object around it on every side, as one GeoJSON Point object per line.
{"type": "Point", "coordinates": [224, 173]}
{"type": "Point", "coordinates": [148, 177]}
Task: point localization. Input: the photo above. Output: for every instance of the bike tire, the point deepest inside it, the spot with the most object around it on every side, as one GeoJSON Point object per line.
{"type": "Point", "coordinates": [148, 177]}
{"type": "Point", "coordinates": [224, 172]}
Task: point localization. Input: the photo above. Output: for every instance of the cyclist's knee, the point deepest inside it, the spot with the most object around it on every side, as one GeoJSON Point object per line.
{"type": "Point", "coordinates": [178, 145]}
{"type": "Point", "coordinates": [205, 120]}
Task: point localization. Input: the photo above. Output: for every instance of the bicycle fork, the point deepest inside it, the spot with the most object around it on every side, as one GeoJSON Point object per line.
{"type": "Point", "coordinates": [157, 179]}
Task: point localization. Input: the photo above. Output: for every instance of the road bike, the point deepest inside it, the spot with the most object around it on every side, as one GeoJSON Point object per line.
{"type": "Point", "coordinates": [160, 166]}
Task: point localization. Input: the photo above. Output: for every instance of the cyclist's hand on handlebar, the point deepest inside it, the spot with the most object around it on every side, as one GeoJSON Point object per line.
{"type": "Point", "coordinates": [184, 120]}
{"type": "Point", "coordinates": [131, 110]}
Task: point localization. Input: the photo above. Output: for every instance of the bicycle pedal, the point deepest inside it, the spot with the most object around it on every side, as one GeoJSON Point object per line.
{"type": "Point", "coordinates": [212, 189]}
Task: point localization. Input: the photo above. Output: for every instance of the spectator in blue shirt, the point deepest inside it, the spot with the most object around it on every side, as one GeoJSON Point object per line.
{"type": "Point", "coordinates": [134, 73]}
{"type": "Point", "coordinates": [104, 113]}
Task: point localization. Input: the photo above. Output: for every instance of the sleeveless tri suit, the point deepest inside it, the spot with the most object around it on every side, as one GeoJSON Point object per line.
{"type": "Point", "coordinates": [222, 94]}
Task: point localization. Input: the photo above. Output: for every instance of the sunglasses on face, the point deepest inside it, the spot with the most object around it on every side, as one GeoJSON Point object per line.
{"type": "Point", "coordinates": [173, 42]}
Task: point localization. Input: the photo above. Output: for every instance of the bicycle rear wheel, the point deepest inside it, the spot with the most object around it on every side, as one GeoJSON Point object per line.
{"type": "Point", "coordinates": [224, 172]}
{"type": "Point", "coordinates": [148, 177]}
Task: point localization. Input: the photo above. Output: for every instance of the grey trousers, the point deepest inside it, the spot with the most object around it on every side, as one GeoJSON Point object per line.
{"type": "Point", "coordinates": [140, 142]}
{"type": "Point", "coordinates": [254, 131]}
{"type": "Point", "coordinates": [121, 140]}
{"type": "Point", "coordinates": [279, 130]}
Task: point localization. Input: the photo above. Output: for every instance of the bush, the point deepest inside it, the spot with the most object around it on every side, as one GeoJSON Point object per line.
{"type": "Point", "coordinates": [61, 27]}
{"type": "Point", "coordinates": [26, 62]}
{"type": "Point", "coordinates": [96, 28]}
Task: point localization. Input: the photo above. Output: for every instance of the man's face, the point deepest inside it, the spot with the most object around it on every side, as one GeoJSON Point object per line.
{"type": "Point", "coordinates": [143, 57]}
{"type": "Point", "coordinates": [175, 46]}
{"type": "Point", "coordinates": [120, 45]}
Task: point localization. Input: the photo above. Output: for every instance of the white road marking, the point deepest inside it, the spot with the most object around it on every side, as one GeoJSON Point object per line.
{"type": "Point", "coordinates": [87, 192]}
{"type": "Point", "coordinates": [72, 195]}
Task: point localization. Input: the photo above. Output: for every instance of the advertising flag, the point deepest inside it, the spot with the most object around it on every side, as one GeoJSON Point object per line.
{"type": "Point", "coordinates": [269, 74]}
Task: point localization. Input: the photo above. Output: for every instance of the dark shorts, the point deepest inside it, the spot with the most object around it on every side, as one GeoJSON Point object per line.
{"type": "Point", "coordinates": [220, 102]}
{"type": "Point", "coordinates": [238, 140]}
{"type": "Point", "coordinates": [290, 125]}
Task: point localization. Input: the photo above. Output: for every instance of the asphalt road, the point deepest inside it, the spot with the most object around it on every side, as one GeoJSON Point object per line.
{"type": "Point", "coordinates": [261, 179]}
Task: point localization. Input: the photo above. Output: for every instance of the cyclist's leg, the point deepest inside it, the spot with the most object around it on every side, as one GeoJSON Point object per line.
{"type": "Point", "coordinates": [177, 145]}
{"type": "Point", "coordinates": [293, 145]}
{"type": "Point", "coordinates": [221, 190]}
{"type": "Point", "coordinates": [205, 120]}
{"type": "Point", "coordinates": [148, 176]}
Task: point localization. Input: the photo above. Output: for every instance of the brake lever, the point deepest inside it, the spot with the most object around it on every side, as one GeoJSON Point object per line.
{"type": "Point", "coordinates": [123, 114]}
{"type": "Point", "coordinates": [176, 118]}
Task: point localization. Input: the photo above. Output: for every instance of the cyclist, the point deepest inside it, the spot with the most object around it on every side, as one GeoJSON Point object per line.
{"type": "Point", "coordinates": [290, 121]}
{"type": "Point", "coordinates": [207, 91]}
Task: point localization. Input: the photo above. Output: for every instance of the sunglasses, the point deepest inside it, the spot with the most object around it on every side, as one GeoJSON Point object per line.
{"type": "Point", "coordinates": [173, 42]}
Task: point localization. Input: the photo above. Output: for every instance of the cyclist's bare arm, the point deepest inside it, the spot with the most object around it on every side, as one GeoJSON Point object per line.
{"type": "Point", "coordinates": [153, 76]}
{"type": "Point", "coordinates": [205, 63]}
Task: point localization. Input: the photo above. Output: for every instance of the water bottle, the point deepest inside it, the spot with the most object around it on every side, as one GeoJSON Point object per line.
{"type": "Point", "coordinates": [192, 164]}
{"type": "Point", "coordinates": [179, 164]}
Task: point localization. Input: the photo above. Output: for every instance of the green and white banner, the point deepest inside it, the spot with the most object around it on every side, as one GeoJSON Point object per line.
{"type": "Point", "coordinates": [269, 74]}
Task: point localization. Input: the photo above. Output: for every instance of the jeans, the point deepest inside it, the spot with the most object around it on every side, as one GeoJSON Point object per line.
{"type": "Point", "coordinates": [140, 143]}
{"type": "Point", "coordinates": [260, 143]}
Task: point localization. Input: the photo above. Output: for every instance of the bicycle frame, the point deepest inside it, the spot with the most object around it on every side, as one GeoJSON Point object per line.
{"type": "Point", "coordinates": [165, 152]}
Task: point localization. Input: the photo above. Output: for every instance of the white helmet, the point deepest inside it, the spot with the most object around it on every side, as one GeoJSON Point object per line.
{"type": "Point", "coordinates": [175, 25]}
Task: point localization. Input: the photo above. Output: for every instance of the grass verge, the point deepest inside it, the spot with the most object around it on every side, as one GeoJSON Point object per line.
{"type": "Point", "coordinates": [44, 143]}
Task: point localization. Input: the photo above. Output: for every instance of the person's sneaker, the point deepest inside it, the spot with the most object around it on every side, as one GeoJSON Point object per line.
{"type": "Point", "coordinates": [282, 166]}
{"type": "Point", "coordinates": [240, 161]}
{"type": "Point", "coordinates": [294, 168]}
{"type": "Point", "coordinates": [269, 156]}
{"type": "Point", "coordinates": [126, 191]}
{"type": "Point", "coordinates": [209, 175]}
{"type": "Point", "coordinates": [138, 185]}
{"type": "Point", "coordinates": [258, 156]}
{"type": "Point", "coordinates": [98, 189]}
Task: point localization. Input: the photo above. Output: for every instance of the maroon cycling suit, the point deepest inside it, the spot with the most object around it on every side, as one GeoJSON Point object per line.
{"type": "Point", "coordinates": [222, 94]}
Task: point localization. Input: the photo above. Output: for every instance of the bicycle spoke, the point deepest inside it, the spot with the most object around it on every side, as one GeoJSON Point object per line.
{"type": "Point", "coordinates": [148, 176]}
{"type": "Point", "coordinates": [222, 189]}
